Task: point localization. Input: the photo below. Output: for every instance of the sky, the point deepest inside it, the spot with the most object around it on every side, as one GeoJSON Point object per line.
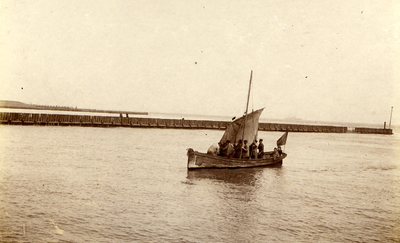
{"type": "Point", "coordinates": [314, 60]}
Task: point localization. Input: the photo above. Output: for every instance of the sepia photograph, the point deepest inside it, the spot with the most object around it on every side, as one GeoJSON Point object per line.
{"type": "Point", "coordinates": [199, 121]}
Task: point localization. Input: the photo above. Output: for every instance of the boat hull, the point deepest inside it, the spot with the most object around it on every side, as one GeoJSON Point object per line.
{"type": "Point", "coordinates": [197, 160]}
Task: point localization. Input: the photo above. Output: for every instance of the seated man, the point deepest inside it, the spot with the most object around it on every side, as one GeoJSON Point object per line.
{"type": "Point", "coordinates": [231, 150]}
{"type": "Point", "coordinates": [276, 153]}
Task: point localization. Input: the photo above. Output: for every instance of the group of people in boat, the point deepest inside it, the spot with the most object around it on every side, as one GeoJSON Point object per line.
{"type": "Point", "coordinates": [243, 150]}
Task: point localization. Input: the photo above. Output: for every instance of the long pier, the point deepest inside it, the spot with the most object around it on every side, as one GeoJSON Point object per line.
{"type": "Point", "coordinates": [11, 118]}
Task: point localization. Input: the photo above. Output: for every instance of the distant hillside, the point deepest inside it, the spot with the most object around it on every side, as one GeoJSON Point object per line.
{"type": "Point", "coordinates": [14, 104]}
{"type": "Point", "coordinates": [19, 105]}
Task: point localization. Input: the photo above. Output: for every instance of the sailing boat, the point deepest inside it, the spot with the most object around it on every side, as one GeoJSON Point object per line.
{"type": "Point", "coordinates": [244, 128]}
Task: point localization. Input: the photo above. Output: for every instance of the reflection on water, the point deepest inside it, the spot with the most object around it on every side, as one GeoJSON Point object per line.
{"type": "Point", "coordinates": [236, 176]}
{"type": "Point", "coordinates": [245, 176]}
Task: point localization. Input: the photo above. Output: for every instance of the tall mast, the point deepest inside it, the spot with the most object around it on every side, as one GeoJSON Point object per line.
{"type": "Point", "coordinates": [247, 106]}
{"type": "Point", "coordinates": [390, 121]}
{"type": "Point", "coordinates": [245, 115]}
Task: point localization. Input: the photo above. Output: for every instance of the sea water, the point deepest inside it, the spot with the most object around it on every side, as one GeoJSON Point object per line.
{"type": "Point", "coordinates": [84, 184]}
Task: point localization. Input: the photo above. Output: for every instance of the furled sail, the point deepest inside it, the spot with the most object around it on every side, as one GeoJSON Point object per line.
{"type": "Point", "coordinates": [234, 130]}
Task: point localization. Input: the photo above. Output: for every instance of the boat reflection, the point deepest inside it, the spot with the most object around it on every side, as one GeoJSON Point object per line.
{"type": "Point", "coordinates": [245, 176]}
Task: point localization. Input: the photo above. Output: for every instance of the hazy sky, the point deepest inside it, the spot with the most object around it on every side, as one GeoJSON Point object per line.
{"type": "Point", "coordinates": [312, 59]}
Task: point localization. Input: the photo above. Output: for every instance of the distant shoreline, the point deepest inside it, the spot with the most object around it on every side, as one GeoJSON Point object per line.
{"type": "Point", "coordinates": [20, 105]}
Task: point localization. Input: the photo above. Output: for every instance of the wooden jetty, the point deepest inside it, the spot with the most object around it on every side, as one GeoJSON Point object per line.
{"type": "Point", "coordinates": [11, 118]}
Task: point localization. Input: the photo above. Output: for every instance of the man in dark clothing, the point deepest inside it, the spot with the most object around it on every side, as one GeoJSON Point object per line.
{"type": "Point", "coordinates": [238, 149]}
{"type": "Point", "coordinates": [223, 148]}
{"type": "Point", "coordinates": [280, 150]}
{"type": "Point", "coordinates": [245, 150]}
{"type": "Point", "coordinates": [261, 149]}
{"type": "Point", "coordinates": [253, 149]}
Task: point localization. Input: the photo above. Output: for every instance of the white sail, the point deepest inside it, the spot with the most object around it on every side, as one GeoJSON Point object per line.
{"type": "Point", "coordinates": [234, 130]}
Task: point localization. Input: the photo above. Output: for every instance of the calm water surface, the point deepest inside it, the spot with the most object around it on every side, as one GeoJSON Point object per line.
{"type": "Point", "coordinates": [76, 184]}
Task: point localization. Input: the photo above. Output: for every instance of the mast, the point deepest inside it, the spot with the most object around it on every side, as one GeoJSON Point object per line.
{"type": "Point", "coordinates": [390, 121]}
{"type": "Point", "coordinates": [248, 95]}
{"type": "Point", "coordinates": [247, 106]}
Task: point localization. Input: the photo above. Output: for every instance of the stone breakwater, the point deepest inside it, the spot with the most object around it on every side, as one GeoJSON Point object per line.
{"type": "Point", "coordinates": [144, 122]}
